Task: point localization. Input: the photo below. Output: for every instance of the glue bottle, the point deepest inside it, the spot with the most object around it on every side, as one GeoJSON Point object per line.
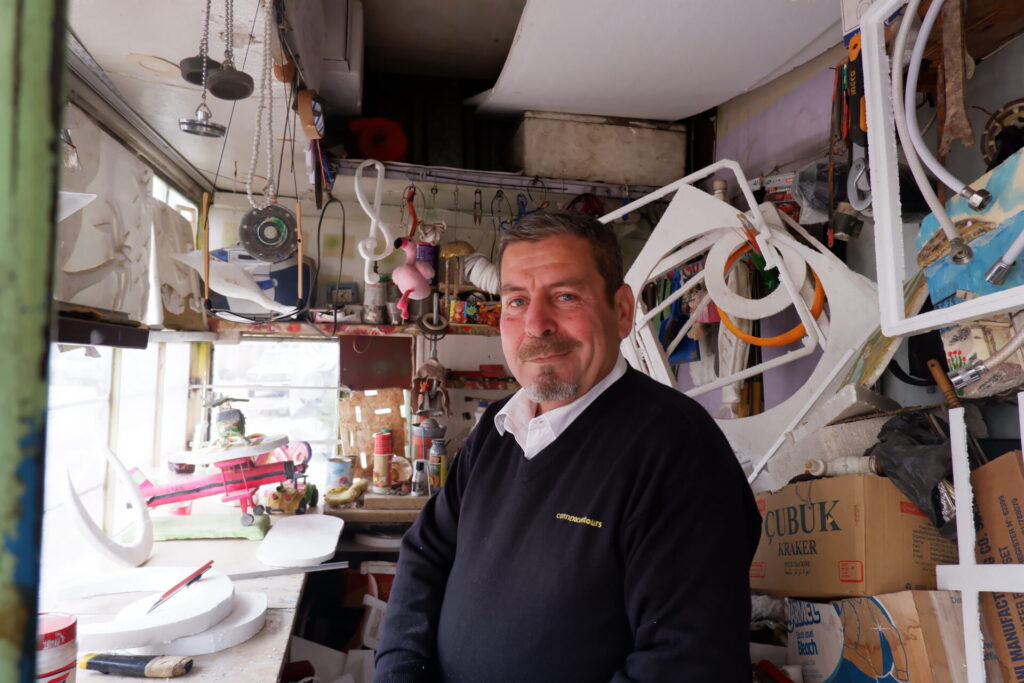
{"type": "Point", "coordinates": [419, 478]}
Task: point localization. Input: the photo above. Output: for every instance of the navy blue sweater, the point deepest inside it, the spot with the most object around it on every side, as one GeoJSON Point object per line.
{"type": "Point", "coordinates": [620, 552]}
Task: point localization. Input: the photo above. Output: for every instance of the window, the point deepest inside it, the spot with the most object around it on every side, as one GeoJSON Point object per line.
{"type": "Point", "coordinates": [288, 387]}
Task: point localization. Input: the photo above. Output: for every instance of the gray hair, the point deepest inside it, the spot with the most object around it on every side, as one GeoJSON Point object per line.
{"type": "Point", "coordinates": [604, 246]}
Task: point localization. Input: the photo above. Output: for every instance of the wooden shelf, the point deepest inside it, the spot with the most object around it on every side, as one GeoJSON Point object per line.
{"type": "Point", "coordinates": [483, 384]}
{"type": "Point", "coordinates": [367, 516]}
{"type": "Point", "coordinates": [376, 501]}
{"type": "Point", "coordinates": [320, 329]}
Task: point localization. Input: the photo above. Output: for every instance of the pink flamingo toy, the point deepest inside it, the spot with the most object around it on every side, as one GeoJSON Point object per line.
{"type": "Point", "coordinates": [412, 278]}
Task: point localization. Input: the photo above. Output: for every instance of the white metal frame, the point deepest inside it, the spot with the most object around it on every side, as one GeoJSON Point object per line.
{"type": "Point", "coordinates": [889, 255]}
{"type": "Point", "coordinates": [969, 577]}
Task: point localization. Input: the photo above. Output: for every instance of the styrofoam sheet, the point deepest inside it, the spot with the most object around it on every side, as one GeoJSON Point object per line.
{"type": "Point", "coordinates": [300, 541]}
{"type": "Point", "coordinates": [657, 59]}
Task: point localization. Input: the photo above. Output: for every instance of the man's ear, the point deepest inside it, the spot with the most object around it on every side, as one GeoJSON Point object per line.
{"type": "Point", "coordinates": [624, 304]}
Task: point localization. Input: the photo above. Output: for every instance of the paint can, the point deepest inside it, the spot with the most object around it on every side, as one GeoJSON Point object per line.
{"type": "Point", "coordinates": [56, 647]}
{"type": "Point", "coordinates": [339, 472]}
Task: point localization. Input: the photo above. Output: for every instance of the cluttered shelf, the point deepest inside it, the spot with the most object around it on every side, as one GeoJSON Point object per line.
{"type": "Point", "coordinates": [325, 326]}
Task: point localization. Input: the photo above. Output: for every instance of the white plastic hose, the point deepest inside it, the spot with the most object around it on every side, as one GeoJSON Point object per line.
{"type": "Point", "coordinates": [997, 273]}
{"type": "Point", "coordinates": [974, 373]}
{"type": "Point", "coordinates": [368, 247]}
{"type": "Point", "coordinates": [1002, 354]}
{"type": "Point", "coordinates": [900, 115]}
{"type": "Point", "coordinates": [482, 273]}
{"type": "Point", "coordinates": [975, 199]}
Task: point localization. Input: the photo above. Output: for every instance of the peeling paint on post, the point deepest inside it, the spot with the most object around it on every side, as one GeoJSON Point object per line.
{"type": "Point", "coordinates": [31, 65]}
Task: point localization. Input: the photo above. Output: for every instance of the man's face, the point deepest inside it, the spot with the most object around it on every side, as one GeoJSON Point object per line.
{"type": "Point", "coordinates": [559, 333]}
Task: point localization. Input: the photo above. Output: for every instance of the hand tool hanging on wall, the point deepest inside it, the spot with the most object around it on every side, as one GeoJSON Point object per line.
{"type": "Point", "coordinates": [858, 184]}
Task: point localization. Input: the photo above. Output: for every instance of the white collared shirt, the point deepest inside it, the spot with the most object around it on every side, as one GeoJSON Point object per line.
{"type": "Point", "coordinates": [533, 434]}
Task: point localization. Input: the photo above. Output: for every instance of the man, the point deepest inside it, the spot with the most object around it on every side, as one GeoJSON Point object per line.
{"type": "Point", "coordinates": [596, 525]}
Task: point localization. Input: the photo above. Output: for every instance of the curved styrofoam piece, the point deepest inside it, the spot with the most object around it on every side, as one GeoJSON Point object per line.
{"type": "Point", "coordinates": [740, 306]}
{"type": "Point", "coordinates": [247, 617]}
{"type": "Point", "coordinates": [130, 555]}
{"type": "Point", "coordinates": [193, 609]}
{"type": "Point", "coordinates": [208, 456]}
{"type": "Point", "coordinates": [300, 541]}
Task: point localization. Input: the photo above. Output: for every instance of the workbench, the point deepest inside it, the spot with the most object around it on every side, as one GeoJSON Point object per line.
{"type": "Point", "coordinates": [258, 659]}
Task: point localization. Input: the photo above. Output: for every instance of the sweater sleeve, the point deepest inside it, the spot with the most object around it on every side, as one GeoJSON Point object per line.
{"type": "Point", "coordinates": [687, 554]}
{"type": "Point", "coordinates": [407, 652]}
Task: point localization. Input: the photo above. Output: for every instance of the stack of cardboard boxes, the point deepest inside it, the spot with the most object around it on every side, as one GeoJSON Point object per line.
{"type": "Point", "coordinates": [857, 561]}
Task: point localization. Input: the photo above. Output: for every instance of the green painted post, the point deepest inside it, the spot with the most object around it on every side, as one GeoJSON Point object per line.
{"type": "Point", "coordinates": [31, 65]}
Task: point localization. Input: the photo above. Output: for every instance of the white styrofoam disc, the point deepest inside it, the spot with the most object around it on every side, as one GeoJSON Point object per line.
{"type": "Point", "coordinates": [245, 621]}
{"type": "Point", "coordinates": [191, 610]}
{"type": "Point", "coordinates": [300, 541]}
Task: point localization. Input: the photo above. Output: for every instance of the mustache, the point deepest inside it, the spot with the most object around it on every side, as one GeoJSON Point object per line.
{"type": "Point", "coordinates": [545, 346]}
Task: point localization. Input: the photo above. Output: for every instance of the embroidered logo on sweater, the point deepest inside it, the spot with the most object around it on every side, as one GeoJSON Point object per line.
{"type": "Point", "coordinates": [580, 520]}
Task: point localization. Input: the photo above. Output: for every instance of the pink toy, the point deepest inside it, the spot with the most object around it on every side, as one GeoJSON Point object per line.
{"type": "Point", "coordinates": [412, 278]}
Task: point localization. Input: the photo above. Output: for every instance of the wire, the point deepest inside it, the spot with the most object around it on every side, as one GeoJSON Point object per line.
{"type": "Point", "coordinates": [905, 377]}
{"type": "Point", "coordinates": [231, 116]}
{"type": "Point", "coordinates": [319, 251]}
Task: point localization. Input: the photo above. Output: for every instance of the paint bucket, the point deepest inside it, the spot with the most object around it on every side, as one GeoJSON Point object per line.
{"type": "Point", "coordinates": [339, 472]}
{"type": "Point", "coordinates": [422, 434]}
{"type": "Point", "coordinates": [56, 647]}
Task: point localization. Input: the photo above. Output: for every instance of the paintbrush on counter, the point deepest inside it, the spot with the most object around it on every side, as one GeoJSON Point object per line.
{"type": "Point", "coordinates": [139, 666]}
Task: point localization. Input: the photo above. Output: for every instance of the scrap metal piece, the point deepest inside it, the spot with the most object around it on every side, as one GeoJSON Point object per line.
{"type": "Point", "coordinates": [957, 125]}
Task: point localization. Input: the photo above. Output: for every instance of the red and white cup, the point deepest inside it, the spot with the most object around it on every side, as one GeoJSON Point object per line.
{"type": "Point", "coordinates": [56, 647]}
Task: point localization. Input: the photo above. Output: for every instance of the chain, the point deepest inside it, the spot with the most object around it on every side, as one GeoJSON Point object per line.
{"type": "Point", "coordinates": [204, 48]}
{"type": "Point", "coordinates": [266, 104]}
{"type": "Point", "coordinates": [229, 34]}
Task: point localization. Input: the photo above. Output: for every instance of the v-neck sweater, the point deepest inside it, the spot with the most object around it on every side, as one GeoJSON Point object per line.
{"type": "Point", "coordinates": [619, 552]}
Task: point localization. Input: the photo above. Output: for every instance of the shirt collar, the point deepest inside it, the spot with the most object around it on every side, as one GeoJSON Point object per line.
{"type": "Point", "coordinates": [520, 410]}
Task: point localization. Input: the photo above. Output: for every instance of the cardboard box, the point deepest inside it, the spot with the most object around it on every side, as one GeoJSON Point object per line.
{"type": "Point", "coordinates": [907, 636]}
{"type": "Point", "coordinates": [999, 496]}
{"type": "Point", "coordinates": [848, 536]}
